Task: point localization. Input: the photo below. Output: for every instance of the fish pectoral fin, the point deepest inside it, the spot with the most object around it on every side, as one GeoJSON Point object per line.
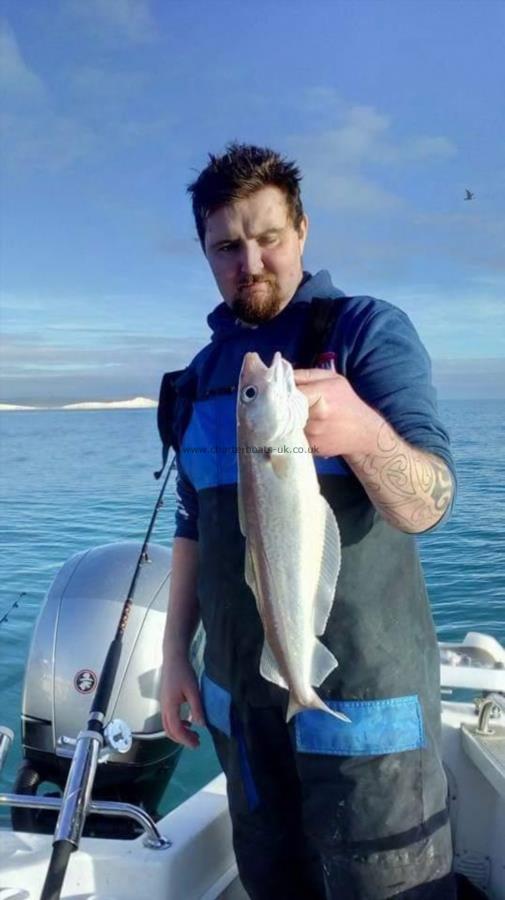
{"type": "Point", "coordinates": [323, 663]}
{"type": "Point", "coordinates": [279, 463]}
{"type": "Point", "coordinates": [329, 571]}
{"type": "Point", "coordinates": [269, 667]}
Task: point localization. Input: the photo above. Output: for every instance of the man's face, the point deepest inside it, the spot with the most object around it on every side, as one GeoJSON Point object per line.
{"type": "Point", "coordinates": [255, 254]}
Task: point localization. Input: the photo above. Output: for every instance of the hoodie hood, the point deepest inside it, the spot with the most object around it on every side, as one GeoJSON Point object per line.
{"type": "Point", "coordinates": [222, 320]}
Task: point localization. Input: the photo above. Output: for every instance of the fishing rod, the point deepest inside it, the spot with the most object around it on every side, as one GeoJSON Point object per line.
{"type": "Point", "coordinates": [14, 605]}
{"type": "Point", "coordinates": [77, 794]}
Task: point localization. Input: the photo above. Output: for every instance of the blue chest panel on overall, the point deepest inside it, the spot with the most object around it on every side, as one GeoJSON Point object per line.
{"type": "Point", "coordinates": [208, 450]}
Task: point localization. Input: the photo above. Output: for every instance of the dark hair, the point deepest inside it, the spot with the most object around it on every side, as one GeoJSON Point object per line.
{"type": "Point", "coordinates": [240, 171]}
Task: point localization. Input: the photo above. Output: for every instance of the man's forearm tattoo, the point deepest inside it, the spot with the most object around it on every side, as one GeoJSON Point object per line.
{"type": "Point", "coordinates": [411, 488]}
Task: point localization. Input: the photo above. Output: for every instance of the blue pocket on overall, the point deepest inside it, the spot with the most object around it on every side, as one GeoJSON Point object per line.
{"type": "Point", "coordinates": [377, 727]}
{"type": "Point", "coordinates": [222, 715]}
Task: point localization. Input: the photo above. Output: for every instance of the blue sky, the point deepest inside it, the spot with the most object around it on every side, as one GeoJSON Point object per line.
{"type": "Point", "coordinates": [109, 108]}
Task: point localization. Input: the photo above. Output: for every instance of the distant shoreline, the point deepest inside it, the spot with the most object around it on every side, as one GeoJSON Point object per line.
{"type": "Point", "coordinates": [135, 403]}
{"type": "Point", "coordinates": [147, 403]}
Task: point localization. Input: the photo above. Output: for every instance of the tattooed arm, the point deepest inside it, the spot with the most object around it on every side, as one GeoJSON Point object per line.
{"type": "Point", "coordinates": [410, 487]}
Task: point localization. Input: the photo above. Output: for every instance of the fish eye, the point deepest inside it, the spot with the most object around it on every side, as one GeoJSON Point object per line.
{"type": "Point", "coordinates": [248, 393]}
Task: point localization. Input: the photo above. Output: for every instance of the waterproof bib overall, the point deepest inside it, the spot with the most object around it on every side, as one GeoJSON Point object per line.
{"type": "Point", "coordinates": [323, 809]}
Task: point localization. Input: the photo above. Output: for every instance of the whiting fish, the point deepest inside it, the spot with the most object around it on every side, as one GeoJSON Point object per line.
{"type": "Point", "coordinates": [292, 538]}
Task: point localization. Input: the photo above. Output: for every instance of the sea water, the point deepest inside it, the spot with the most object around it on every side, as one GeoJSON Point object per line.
{"type": "Point", "coordinates": [70, 480]}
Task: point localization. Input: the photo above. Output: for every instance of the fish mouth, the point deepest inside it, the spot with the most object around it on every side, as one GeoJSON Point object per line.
{"type": "Point", "coordinates": [252, 365]}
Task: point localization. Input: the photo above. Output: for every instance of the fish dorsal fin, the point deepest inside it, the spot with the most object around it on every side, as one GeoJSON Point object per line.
{"type": "Point", "coordinates": [330, 568]}
{"type": "Point", "coordinates": [269, 668]}
{"type": "Point", "coordinates": [323, 663]}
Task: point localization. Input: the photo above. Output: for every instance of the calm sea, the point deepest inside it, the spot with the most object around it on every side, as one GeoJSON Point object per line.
{"type": "Point", "coordinates": [72, 480]}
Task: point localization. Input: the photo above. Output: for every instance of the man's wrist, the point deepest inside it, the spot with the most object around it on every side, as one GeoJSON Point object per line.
{"type": "Point", "coordinates": [369, 432]}
{"type": "Point", "coordinates": [176, 649]}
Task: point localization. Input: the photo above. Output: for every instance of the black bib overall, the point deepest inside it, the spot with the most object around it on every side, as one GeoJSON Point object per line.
{"type": "Point", "coordinates": [323, 810]}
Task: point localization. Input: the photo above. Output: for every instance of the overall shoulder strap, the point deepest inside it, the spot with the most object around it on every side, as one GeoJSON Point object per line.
{"type": "Point", "coordinates": [175, 386]}
{"type": "Point", "coordinates": [324, 313]}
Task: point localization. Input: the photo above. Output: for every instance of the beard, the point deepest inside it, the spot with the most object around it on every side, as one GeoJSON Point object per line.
{"type": "Point", "coordinates": [256, 309]}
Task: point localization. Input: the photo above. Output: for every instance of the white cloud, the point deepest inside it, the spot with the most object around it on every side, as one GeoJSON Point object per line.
{"type": "Point", "coordinates": [322, 100]}
{"type": "Point", "coordinates": [474, 237]}
{"type": "Point", "coordinates": [454, 322]}
{"type": "Point", "coordinates": [50, 368]}
{"type": "Point", "coordinates": [46, 141]}
{"type": "Point", "coordinates": [337, 160]}
{"type": "Point", "coordinates": [429, 148]}
{"type": "Point", "coordinates": [40, 132]}
{"type": "Point", "coordinates": [79, 350]}
{"type": "Point", "coordinates": [353, 142]}
{"type": "Point", "coordinates": [364, 134]}
{"type": "Point", "coordinates": [128, 19]}
{"type": "Point", "coordinates": [100, 82]}
{"type": "Point", "coordinates": [17, 79]}
{"type": "Point", "coordinates": [349, 192]}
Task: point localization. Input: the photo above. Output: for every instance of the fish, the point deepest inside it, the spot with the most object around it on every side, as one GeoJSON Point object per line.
{"type": "Point", "coordinates": [292, 541]}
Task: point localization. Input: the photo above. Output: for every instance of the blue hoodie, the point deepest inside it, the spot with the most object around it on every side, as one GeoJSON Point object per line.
{"type": "Point", "coordinates": [376, 347]}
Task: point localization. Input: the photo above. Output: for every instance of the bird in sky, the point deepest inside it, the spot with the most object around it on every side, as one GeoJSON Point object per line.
{"type": "Point", "coordinates": [469, 195]}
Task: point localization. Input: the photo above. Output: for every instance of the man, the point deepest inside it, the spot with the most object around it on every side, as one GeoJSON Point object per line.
{"type": "Point", "coordinates": [319, 809]}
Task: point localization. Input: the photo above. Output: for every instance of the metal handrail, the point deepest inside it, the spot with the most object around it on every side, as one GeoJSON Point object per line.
{"type": "Point", "coordinates": [486, 708]}
{"type": "Point", "coordinates": [153, 839]}
{"type": "Point", "coordinates": [6, 739]}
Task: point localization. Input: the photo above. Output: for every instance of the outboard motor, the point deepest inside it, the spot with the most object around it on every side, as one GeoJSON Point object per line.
{"type": "Point", "coordinates": [76, 624]}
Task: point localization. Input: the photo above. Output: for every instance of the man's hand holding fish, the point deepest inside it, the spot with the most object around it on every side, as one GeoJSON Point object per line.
{"type": "Point", "coordinates": [340, 423]}
{"type": "Point", "coordinates": [410, 488]}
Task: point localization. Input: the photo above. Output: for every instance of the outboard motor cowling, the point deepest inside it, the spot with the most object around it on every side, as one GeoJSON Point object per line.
{"type": "Point", "coordinates": [76, 624]}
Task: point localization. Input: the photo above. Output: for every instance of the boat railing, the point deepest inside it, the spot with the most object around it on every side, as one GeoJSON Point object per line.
{"type": "Point", "coordinates": [152, 839]}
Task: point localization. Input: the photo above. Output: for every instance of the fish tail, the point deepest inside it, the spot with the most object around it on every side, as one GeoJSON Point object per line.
{"type": "Point", "coordinates": [294, 707]}
{"type": "Point", "coordinates": [333, 712]}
